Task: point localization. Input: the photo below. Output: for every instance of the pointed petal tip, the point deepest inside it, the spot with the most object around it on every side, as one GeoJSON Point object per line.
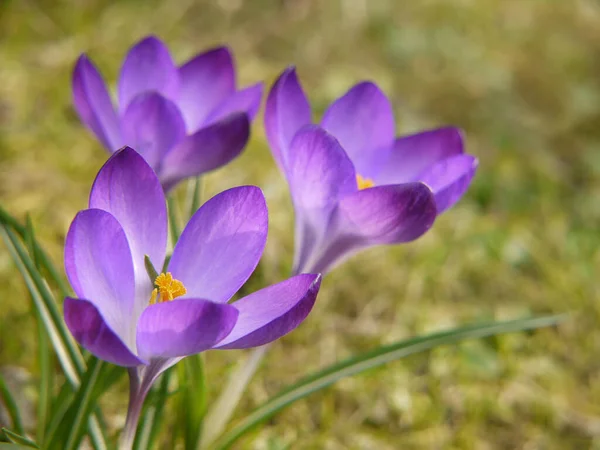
{"type": "Point", "coordinates": [150, 39]}
{"type": "Point", "coordinates": [273, 312]}
{"type": "Point", "coordinates": [206, 150]}
{"type": "Point", "coordinates": [82, 59]}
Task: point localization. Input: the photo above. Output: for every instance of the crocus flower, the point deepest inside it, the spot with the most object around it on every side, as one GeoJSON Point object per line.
{"type": "Point", "coordinates": [123, 316]}
{"type": "Point", "coordinates": [184, 120]}
{"type": "Point", "coordinates": [353, 184]}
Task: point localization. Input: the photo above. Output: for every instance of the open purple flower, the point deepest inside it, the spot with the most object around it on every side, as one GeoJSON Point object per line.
{"type": "Point", "coordinates": [124, 317]}
{"type": "Point", "coordinates": [353, 183]}
{"type": "Point", "coordinates": [184, 120]}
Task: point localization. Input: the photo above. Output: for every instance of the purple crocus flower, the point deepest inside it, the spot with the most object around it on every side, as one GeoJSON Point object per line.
{"type": "Point", "coordinates": [124, 317]}
{"type": "Point", "coordinates": [184, 121]}
{"type": "Point", "coordinates": [353, 184]}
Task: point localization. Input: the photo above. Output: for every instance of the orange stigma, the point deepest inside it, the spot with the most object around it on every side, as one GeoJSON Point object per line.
{"type": "Point", "coordinates": [167, 288]}
{"type": "Point", "coordinates": [363, 183]}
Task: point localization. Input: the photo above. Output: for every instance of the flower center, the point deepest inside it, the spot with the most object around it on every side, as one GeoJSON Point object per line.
{"type": "Point", "coordinates": [364, 183]}
{"type": "Point", "coordinates": [167, 288]}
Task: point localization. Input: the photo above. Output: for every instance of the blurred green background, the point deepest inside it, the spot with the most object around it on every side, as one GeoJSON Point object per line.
{"type": "Point", "coordinates": [522, 77]}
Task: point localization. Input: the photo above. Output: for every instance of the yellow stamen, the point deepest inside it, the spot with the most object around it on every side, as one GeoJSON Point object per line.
{"type": "Point", "coordinates": [364, 183]}
{"type": "Point", "coordinates": [168, 288]}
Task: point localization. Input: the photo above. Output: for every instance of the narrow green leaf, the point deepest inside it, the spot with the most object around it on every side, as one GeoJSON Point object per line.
{"type": "Point", "coordinates": [44, 351]}
{"type": "Point", "coordinates": [194, 188]}
{"type": "Point", "coordinates": [173, 219]}
{"type": "Point", "coordinates": [152, 273]}
{"type": "Point", "coordinates": [11, 406]}
{"type": "Point", "coordinates": [46, 377]}
{"type": "Point", "coordinates": [372, 359]}
{"type": "Point", "coordinates": [64, 345]}
{"type": "Point", "coordinates": [43, 258]}
{"type": "Point", "coordinates": [67, 352]}
{"type": "Point", "coordinates": [74, 424]}
{"type": "Point", "coordinates": [16, 438]}
{"type": "Point", "coordinates": [30, 241]}
{"type": "Point", "coordinates": [13, 447]}
{"type": "Point", "coordinates": [109, 375]}
{"type": "Point", "coordinates": [222, 410]}
{"type": "Point", "coordinates": [192, 399]}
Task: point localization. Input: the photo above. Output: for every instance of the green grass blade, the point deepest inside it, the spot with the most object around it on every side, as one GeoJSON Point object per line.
{"type": "Point", "coordinates": [69, 355]}
{"type": "Point", "coordinates": [16, 438]}
{"type": "Point", "coordinates": [192, 399]}
{"type": "Point", "coordinates": [221, 411]}
{"type": "Point", "coordinates": [11, 406]}
{"type": "Point", "coordinates": [193, 196]}
{"type": "Point", "coordinates": [44, 302]}
{"type": "Point", "coordinates": [13, 447]}
{"type": "Point", "coordinates": [46, 378]}
{"type": "Point", "coordinates": [109, 375]}
{"type": "Point", "coordinates": [372, 359]}
{"type": "Point", "coordinates": [44, 352]}
{"type": "Point", "coordinates": [74, 424]}
{"type": "Point", "coordinates": [173, 219]}
{"type": "Point", "coordinates": [41, 255]}
{"type": "Point", "coordinates": [66, 350]}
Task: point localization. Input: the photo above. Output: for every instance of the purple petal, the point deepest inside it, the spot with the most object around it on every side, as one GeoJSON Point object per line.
{"type": "Point", "coordinates": [206, 81]}
{"type": "Point", "coordinates": [363, 121]}
{"type": "Point", "coordinates": [206, 150]}
{"type": "Point", "coordinates": [222, 244]}
{"type": "Point", "coordinates": [99, 267]}
{"type": "Point", "coordinates": [389, 214]}
{"type": "Point", "coordinates": [319, 171]}
{"type": "Point", "coordinates": [153, 126]}
{"type": "Point", "coordinates": [127, 188]}
{"type": "Point", "coordinates": [247, 101]}
{"type": "Point", "coordinates": [183, 327]}
{"type": "Point", "coordinates": [412, 155]}
{"type": "Point", "coordinates": [89, 328]}
{"type": "Point", "coordinates": [320, 174]}
{"type": "Point", "coordinates": [148, 67]}
{"type": "Point", "coordinates": [380, 215]}
{"type": "Point", "coordinates": [93, 104]}
{"type": "Point", "coordinates": [286, 111]}
{"type": "Point", "coordinates": [272, 312]}
{"type": "Point", "coordinates": [449, 179]}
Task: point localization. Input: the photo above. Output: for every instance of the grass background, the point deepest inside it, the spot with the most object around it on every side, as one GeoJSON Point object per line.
{"type": "Point", "coordinates": [522, 77]}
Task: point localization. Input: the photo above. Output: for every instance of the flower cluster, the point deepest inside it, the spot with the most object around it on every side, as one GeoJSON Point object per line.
{"type": "Point", "coordinates": [352, 182]}
{"type": "Point", "coordinates": [184, 121]}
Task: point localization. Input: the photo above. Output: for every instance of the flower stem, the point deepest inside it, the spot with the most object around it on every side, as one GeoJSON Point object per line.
{"type": "Point", "coordinates": [137, 394]}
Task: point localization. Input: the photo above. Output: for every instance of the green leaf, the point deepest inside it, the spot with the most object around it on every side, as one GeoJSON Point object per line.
{"type": "Point", "coordinates": [109, 375]}
{"type": "Point", "coordinates": [193, 195]}
{"type": "Point", "coordinates": [370, 360]}
{"type": "Point", "coordinates": [153, 413]}
{"type": "Point", "coordinates": [221, 411]}
{"type": "Point", "coordinates": [64, 345]}
{"type": "Point", "coordinates": [152, 273]}
{"type": "Point", "coordinates": [13, 447]}
{"type": "Point", "coordinates": [68, 354]}
{"type": "Point", "coordinates": [41, 255]}
{"type": "Point", "coordinates": [18, 439]}
{"type": "Point", "coordinates": [11, 406]}
{"type": "Point", "coordinates": [74, 424]}
{"type": "Point", "coordinates": [192, 399]}
{"type": "Point", "coordinates": [173, 219]}
{"type": "Point", "coordinates": [44, 351]}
